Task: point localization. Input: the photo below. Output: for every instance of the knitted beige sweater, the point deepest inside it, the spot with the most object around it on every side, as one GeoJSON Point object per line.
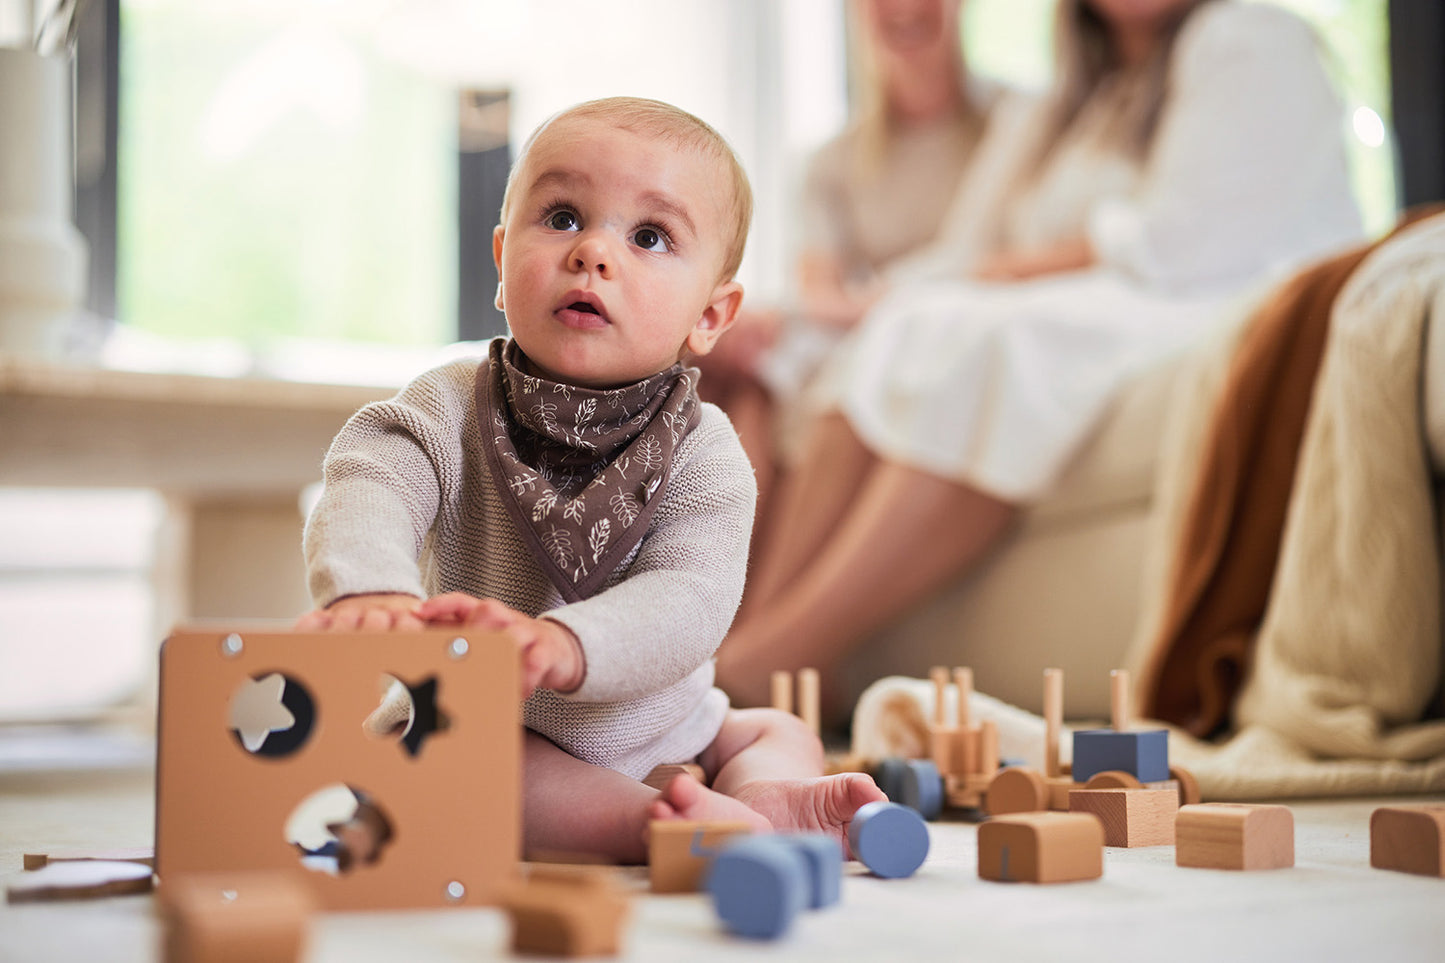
{"type": "Point", "coordinates": [410, 506]}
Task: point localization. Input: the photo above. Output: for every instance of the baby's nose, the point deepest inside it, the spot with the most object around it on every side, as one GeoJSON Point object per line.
{"type": "Point", "coordinates": [592, 254]}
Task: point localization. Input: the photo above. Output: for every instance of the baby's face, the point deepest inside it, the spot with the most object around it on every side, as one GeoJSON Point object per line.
{"type": "Point", "coordinates": [610, 254]}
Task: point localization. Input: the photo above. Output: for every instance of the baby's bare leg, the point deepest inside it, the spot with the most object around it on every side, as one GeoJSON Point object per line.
{"type": "Point", "coordinates": [573, 807]}
{"type": "Point", "coordinates": [768, 763]}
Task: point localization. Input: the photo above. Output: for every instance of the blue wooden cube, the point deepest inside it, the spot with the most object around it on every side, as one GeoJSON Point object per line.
{"type": "Point", "coordinates": [825, 866]}
{"type": "Point", "coordinates": [1144, 754]}
{"type": "Point", "coordinates": [758, 885]}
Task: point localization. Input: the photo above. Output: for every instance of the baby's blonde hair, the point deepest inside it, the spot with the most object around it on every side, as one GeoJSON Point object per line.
{"type": "Point", "coordinates": [658, 119]}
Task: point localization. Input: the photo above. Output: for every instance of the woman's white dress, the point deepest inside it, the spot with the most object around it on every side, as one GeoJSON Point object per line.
{"type": "Point", "coordinates": [996, 385]}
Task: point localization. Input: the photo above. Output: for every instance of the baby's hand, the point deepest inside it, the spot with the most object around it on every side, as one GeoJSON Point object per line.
{"type": "Point", "coordinates": [551, 655]}
{"type": "Point", "coordinates": [377, 612]}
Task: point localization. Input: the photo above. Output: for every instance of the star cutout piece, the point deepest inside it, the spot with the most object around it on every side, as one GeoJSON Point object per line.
{"type": "Point", "coordinates": [256, 710]}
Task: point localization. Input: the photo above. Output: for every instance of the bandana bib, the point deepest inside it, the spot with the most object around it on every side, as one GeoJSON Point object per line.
{"type": "Point", "coordinates": [581, 470]}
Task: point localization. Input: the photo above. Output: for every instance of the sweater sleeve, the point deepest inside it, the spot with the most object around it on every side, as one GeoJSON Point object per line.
{"type": "Point", "coordinates": [669, 614]}
{"type": "Point", "coordinates": [382, 484]}
{"type": "Point", "coordinates": [1247, 167]}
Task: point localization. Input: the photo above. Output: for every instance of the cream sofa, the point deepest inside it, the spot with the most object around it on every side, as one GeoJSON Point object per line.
{"type": "Point", "coordinates": [1064, 589]}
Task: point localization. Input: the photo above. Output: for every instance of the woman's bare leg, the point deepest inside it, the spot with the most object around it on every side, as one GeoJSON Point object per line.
{"type": "Point", "coordinates": [810, 501]}
{"type": "Point", "coordinates": [907, 534]}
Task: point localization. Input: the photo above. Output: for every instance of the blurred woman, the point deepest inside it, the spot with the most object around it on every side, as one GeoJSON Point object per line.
{"type": "Point", "coordinates": [1187, 150]}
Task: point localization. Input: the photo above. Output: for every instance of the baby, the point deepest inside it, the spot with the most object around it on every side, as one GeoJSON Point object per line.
{"type": "Point", "coordinates": [572, 492]}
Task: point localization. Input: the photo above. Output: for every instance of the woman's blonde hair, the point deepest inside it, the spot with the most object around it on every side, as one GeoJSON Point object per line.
{"type": "Point", "coordinates": [876, 120]}
{"type": "Point", "coordinates": [658, 119]}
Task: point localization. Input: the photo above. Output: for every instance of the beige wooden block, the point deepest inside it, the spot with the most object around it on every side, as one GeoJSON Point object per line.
{"type": "Point", "coordinates": [678, 849]}
{"type": "Point", "coordinates": [235, 917]}
{"type": "Point", "coordinates": [1131, 817]}
{"type": "Point", "coordinates": [567, 911]}
{"type": "Point", "coordinates": [1234, 836]}
{"type": "Point", "coordinates": [1408, 839]}
{"type": "Point", "coordinates": [667, 772]}
{"type": "Point", "coordinates": [1041, 848]}
{"type": "Point", "coordinates": [1059, 789]}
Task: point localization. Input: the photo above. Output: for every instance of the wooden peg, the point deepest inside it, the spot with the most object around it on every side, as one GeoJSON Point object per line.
{"type": "Point", "coordinates": [1053, 719]}
{"type": "Point", "coordinates": [963, 682]}
{"type": "Point", "coordinates": [809, 699]}
{"type": "Point", "coordinates": [782, 681]}
{"type": "Point", "coordinates": [939, 675]}
{"type": "Point", "coordinates": [1119, 699]}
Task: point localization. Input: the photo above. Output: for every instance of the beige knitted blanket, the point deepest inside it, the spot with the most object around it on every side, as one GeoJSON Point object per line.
{"type": "Point", "coordinates": [1348, 657]}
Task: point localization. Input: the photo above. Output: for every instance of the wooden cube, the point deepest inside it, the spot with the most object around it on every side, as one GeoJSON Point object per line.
{"type": "Point", "coordinates": [1041, 848]}
{"type": "Point", "coordinates": [679, 850]}
{"type": "Point", "coordinates": [1408, 839]}
{"type": "Point", "coordinates": [1234, 836]}
{"type": "Point", "coordinates": [1131, 817]}
{"type": "Point", "coordinates": [235, 917]}
{"type": "Point", "coordinates": [564, 911]}
{"type": "Point", "coordinates": [1143, 754]}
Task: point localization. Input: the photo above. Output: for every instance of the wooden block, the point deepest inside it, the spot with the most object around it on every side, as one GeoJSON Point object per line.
{"type": "Point", "coordinates": [1059, 789]}
{"type": "Point", "coordinates": [679, 850]}
{"type": "Point", "coordinates": [759, 885]}
{"type": "Point", "coordinates": [825, 866]}
{"type": "Point", "coordinates": [1017, 790]}
{"type": "Point", "coordinates": [1041, 848]}
{"type": "Point", "coordinates": [83, 879]}
{"type": "Point", "coordinates": [891, 840]}
{"type": "Point", "coordinates": [1234, 836]}
{"type": "Point", "coordinates": [667, 772]}
{"type": "Point", "coordinates": [235, 917]}
{"type": "Point", "coordinates": [145, 855]}
{"type": "Point", "coordinates": [1131, 817]}
{"type": "Point", "coordinates": [810, 696]}
{"type": "Point", "coordinates": [1408, 839]}
{"type": "Point", "coordinates": [566, 911]}
{"type": "Point", "coordinates": [1144, 754]}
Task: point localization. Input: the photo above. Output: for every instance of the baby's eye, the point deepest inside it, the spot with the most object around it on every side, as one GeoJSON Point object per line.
{"type": "Point", "coordinates": [561, 220]}
{"type": "Point", "coordinates": [651, 239]}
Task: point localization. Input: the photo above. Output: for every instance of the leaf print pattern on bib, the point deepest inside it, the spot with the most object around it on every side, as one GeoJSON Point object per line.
{"type": "Point", "coordinates": [581, 466]}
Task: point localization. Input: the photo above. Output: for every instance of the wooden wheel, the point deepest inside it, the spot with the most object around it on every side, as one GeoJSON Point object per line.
{"type": "Point", "coordinates": [1017, 790]}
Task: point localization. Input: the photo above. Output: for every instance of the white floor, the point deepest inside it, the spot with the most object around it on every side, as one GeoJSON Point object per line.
{"type": "Point", "coordinates": [1331, 906]}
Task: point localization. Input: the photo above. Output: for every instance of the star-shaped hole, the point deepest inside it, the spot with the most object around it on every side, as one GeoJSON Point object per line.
{"type": "Point", "coordinates": [271, 715]}
{"type": "Point", "coordinates": [407, 711]}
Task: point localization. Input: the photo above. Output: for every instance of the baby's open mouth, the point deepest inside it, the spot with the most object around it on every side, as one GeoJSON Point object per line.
{"type": "Point", "coordinates": [583, 306]}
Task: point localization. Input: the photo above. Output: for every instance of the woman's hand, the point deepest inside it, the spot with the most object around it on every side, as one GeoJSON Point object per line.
{"type": "Point", "coordinates": [1021, 265]}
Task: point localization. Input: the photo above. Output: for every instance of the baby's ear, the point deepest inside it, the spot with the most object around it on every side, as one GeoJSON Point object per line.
{"type": "Point", "coordinates": [717, 317]}
{"type": "Point", "coordinates": [498, 233]}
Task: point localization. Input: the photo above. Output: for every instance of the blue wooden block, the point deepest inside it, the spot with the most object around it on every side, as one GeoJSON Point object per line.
{"type": "Point", "coordinates": [889, 776]}
{"type": "Point", "coordinates": [891, 840]}
{"type": "Point", "coordinates": [825, 866]}
{"type": "Point", "coordinates": [1142, 754]}
{"type": "Point", "coordinates": [758, 885]}
{"type": "Point", "coordinates": [922, 788]}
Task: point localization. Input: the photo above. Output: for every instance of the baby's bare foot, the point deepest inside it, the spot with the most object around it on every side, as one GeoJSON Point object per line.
{"type": "Point", "coordinates": [824, 804]}
{"type": "Point", "coordinates": [686, 798]}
